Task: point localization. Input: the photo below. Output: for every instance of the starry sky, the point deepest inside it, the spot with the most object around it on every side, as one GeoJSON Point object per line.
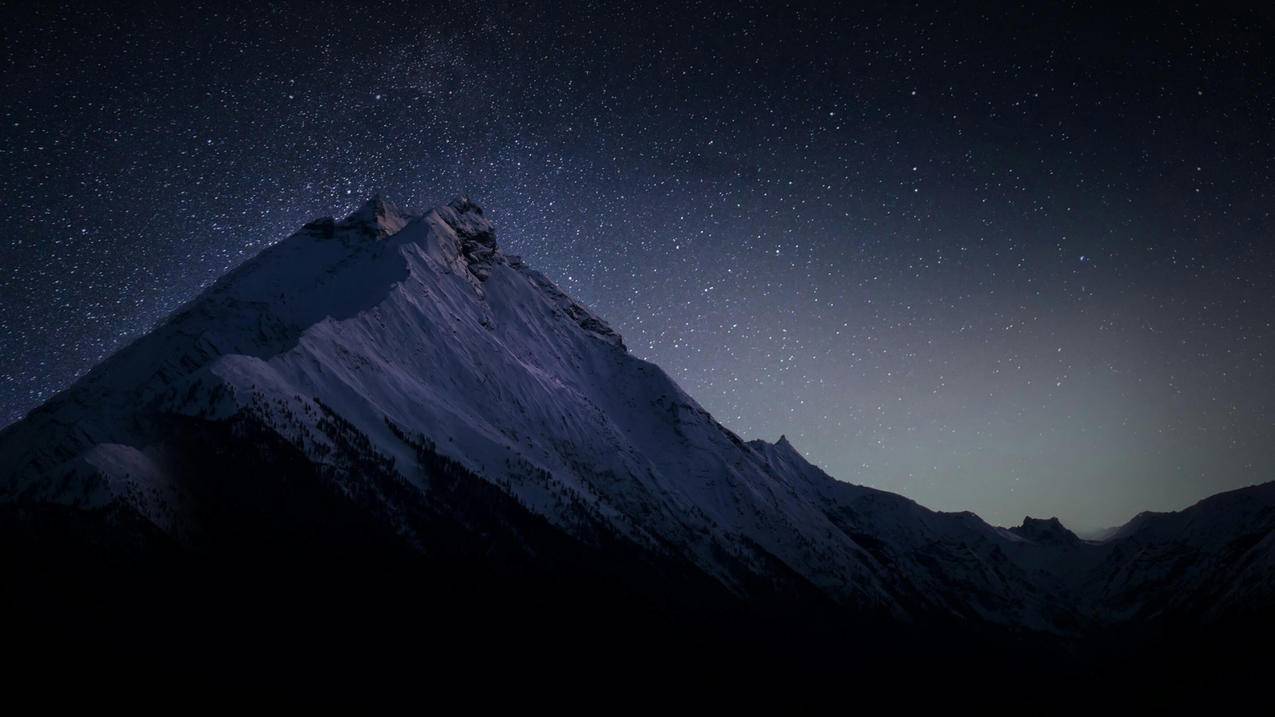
{"type": "Point", "coordinates": [1009, 258]}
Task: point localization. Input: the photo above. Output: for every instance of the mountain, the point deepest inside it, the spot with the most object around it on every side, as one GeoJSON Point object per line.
{"type": "Point", "coordinates": [389, 412]}
{"type": "Point", "coordinates": [1050, 531]}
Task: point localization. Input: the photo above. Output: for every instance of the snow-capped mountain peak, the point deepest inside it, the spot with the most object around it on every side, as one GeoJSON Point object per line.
{"type": "Point", "coordinates": [388, 355]}
{"type": "Point", "coordinates": [378, 218]}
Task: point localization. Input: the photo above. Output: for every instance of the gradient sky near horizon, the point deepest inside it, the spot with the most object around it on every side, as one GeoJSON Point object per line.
{"type": "Point", "coordinates": [1009, 258]}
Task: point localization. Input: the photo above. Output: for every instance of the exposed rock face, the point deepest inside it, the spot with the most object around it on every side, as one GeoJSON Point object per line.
{"type": "Point", "coordinates": [1049, 530]}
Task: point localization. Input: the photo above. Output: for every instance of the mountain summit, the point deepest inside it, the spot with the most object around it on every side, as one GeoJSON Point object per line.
{"type": "Point", "coordinates": [378, 217]}
{"type": "Point", "coordinates": [393, 390]}
{"type": "Point", "coordinates": [1044, 530]}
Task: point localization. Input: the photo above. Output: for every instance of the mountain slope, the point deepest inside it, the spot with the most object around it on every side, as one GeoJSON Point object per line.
{"type": "Point", "coordinates": [397, 382]}
{"type": "Point", "coordinates": [1213, 560]}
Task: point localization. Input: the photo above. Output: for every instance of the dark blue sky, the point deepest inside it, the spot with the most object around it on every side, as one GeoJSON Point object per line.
{"type": "Point", "coordinates": [1012, 259]}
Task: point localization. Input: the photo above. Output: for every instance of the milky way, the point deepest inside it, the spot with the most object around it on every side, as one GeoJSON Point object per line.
{"type": "Point", "coordinates": [999, 259]}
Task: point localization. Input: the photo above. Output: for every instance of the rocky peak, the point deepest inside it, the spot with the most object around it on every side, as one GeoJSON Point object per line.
{"type": "Point", "coordinates": [476, 234]}
{"type": "Point", "coordinates": [1042, 530]}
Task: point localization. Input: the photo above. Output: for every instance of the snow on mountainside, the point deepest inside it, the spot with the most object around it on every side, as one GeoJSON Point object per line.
{"type": "Point", "coordinates": [393, 335]}
{"type": "Point", "coordinates": [1213, 559]}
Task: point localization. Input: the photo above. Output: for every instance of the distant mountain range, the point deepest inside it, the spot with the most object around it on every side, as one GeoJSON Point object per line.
{"type": "Point", "coordinates": [383, 435]}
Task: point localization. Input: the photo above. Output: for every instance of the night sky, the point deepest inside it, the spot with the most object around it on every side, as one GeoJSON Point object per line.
{"type": "Point", "coordinates": [1011, 259]}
